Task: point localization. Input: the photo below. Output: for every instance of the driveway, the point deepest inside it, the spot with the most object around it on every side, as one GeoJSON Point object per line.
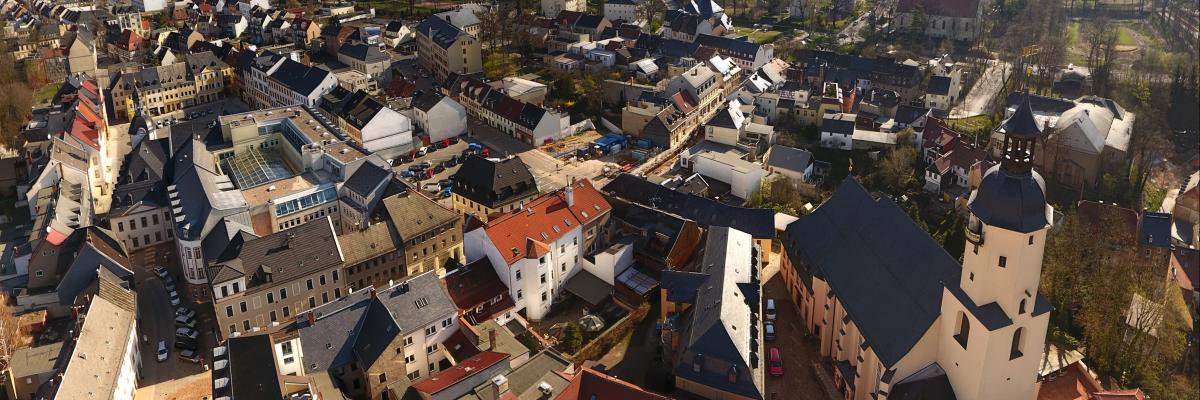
{"type": "Point", "coordinates": [799, 380]}
{"type": "Point", "coordinates": [156, 321]}
{"type": "Point", "coordinates": [979, 99]}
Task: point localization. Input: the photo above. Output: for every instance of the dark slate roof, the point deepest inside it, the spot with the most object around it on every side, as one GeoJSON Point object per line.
{"type": "Point", "coordinates": [732, 47]}
{"type": "Point", "coordinates": [359, 326]}
{"type": "Point", "coordinates": [1013, 202]}
{"type": "Point", "coordinates": [442, 32]}
{"type": "Point", "coordinates": [681, 286]}
{"type": "Point", "coordinates": [939, 85]}
{"type": "Point", "coordinates": [929, 383]}
{"type": "Point", "coordinates": [758, 222]}
{"type": "Point", "coordinates": [142, 175]}
{"type": "Point", "coordinates": [1022, 124]}
{"type": "Point", "coordinates": [367, 178]}
{"type": "Point", "coordinates": [286, 255]}
{"type": "Point", "coordinates": [886, 271]}
{"type": "Point", "coordinates": [990, 315]}
{"type": "Point", "coordinates": [252, 371]}
{"type": "Point", "coordinates": [907, 114]}
{"type": "Point", "coordinates": [839, 126]}
{"type": "Point", "coordinates": [1040, 103]}
{"type": "Point", "coordinates": [1155, 230]}
{"type": "Point", "coordinates": [494, 183]}
{"type": "Point", "coordinates": [299, 77]}
{"type": "Point", "coordinates": [427, 100]}
{"type": "Point", "coordinates": [789, 158]}
{"type": "Point", "coordinates": [363, 52]}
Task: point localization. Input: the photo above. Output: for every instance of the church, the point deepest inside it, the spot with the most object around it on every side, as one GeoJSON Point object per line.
{"type": "Point", "coordinates": [899, 317]}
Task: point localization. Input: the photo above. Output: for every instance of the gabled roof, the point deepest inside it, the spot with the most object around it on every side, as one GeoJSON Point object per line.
{"type": "Point", "coordinates": [527, 231]}
{"type": "Point", "coordinates": [887, 272]}
{"type": "Point", "coordinates": [460, 372]}
{"type": "Point", "coordinates": [298, 77]}
{"type": "Point", "coordinates": [474, 284]}
{"type": "Point", "coordinates": [789, 158]}
{"type": "Point", "coordinates": [588, 384]}
{"type": "Point", "coordinates": [363, 52]}
{"type": "Point", "coordinates": [285, 255]}
{"type": "Point", "coordinates": [494, 183]}
{"type": "Point", "coordinates": [442, 33]}
{"type": "Point", "coordinates": [413, 215]}
{"type": "Point", "coordinates": [757, 222]}
{"type": "Point", "coordinates": [366, 178]}
{"type": "Point", "coordinates": [938, 85]}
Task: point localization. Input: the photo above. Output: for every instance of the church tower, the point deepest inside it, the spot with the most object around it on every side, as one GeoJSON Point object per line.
{"type": "Point", "coordinates": [993, 323]}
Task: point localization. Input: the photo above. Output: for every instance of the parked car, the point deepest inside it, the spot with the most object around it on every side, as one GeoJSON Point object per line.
{"type": "Point", "coordinates": [170, 285]}
{"type": "Point", "coordinates": [771, 314]}
{"type": "Point", "coordinates": [174, 298]}
{"type": "Point", "coordinates": [186, 312]}
{"type": "Point", "coordinates": [161, 272]}
{"type": "Point", "coordinates": [769, 331]}
{"type": "Point", "coordinates": [431, 187]}
{"type": "Point", "coordinates": [445, 183]}
{"type": "Point", "coordinates": [162, 351]}
{"type": "Point", "coordinates": [185, 321]}
{"type": "Point", "coordinates": [454, 139]}
{"type": "Point", "coordinates": [449, 163]}
{"type": "Point", "coordinates": [190, 356]}
{"type": "Point", "coordinates": [184, 343]}
{"type": "Point", "coordinates": [424, 150]}
{"type": "Point", "coordinates": [185, 332]}
{"type": "Point", "coordinates": [437, 169]}
{"type": "Point", "coordinates": [441, 144]}
{"type": "Point", "coordinates": [774, 362]}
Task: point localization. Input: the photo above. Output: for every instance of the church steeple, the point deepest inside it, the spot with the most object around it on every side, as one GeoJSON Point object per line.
{"type": "Point", "coordinates": [1021, 132]}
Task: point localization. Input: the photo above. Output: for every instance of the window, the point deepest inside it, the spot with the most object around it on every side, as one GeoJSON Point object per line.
{"type": "Point", "coordinates": [272, 316]}
{"type": "Point", "coordinates": [310, 284]}
{"type": "Point", "coordinates": [415, 375]}
{"type": "Point", "coordinates": [282, 293]}
{"type": "Point", "coordinates": [1031, 239]}
{"type": "Point", "coordinates": [1017, 342]}
{"type": "Point", "coordinates": [243, 306]}
{"type": "Point", "coordinates": [518, 274]}
{"type": "Point", "coordinates": [543, 278]}
{"type": "Point", "coordinates": [382, 377]}
{"type": "Point", "coordinates": [287, 311]}
{"type": "Point", "coordinates": [519, 294]}
{"type": "Point", "coordinates": [286, 348]}
{"type": "Point", "coordinates": [312, 302]}
{"type": "Point", "coordinates": [270, 298]}
{"type": "Point", "coordinates": [962, 330]}
{"type": "Point", "coordinates": [409, 359]}
{"type": "Point", "coordinates": [447, 322]}
{"type": "Point", "coordinates": [154, 218]}
{"type": "Point", "coordinates": [322, 277]}
{"type": "Point", "coordinates": [228, 311]}
{"type": "Point", "coordinates": [543, 296]}
{"type": "Point", "coordinates": [408, 341]}
{"type": "Point", "coordinates": [337, 293]}
{"type": "Point", "coordinates": [431, 348]}
{"type": "Point", "coordinates": [564, 267]}
{"type": "Point", "coordinates": [224, 291]}
{"type": "Point", "coordinates": [236, 287]}
{"type": "Point", "coordinates": [245, 325]}
{"type": "Point", "coordinates": [429, 331]}
{"type": "Point", "coordinates": [39, 272]}
{"type": "Point", "coordinates": [120, 227]}
{"type": "Point", "coordinates": [1003, 261]}
{"type": "Point", "coordinates": [335, 277]}
{"type": "Point", "coordinates": [1021, 309]}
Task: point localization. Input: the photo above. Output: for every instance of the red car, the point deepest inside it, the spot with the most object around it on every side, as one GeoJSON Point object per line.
{"type": "Point", "coordinates": [485, 152]}
{"type": "Point", "coordinates": [774, 362]}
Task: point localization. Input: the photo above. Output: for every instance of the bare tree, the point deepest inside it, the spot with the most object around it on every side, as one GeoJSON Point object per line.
{"type": "Point", "coordinates": [12, 335]}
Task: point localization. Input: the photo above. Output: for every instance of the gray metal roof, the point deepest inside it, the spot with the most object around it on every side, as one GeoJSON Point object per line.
{"type": "Point", "coordinates": [789, 158]}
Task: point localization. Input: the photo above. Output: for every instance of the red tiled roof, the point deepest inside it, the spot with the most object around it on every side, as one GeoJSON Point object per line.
{"type": "Point", "coordinates": [458, 373]}
{"type": "Point", "coordinates": [589, 384]}
{"type": "Point", "coordinates": [1128, 394]}
{"type": "Point", "coordinates": [684, 101]}
{"type": "Point", "coordinates": [460, 346]}
{"type": "Point", "coordinates": [129, 40]}
{"type": "Point", "coordinates": [401, 88]}
{"type": "Point", "coordinates": [525, 232]}
{"type": "Point", "coordinates": [568, 18]}
{"type": "Point", "coordinates": [1187, 268]}
{"type": "Point", "coordinates": [474, 284]}
{"type": "Point", "coordinates": [1075, 383]}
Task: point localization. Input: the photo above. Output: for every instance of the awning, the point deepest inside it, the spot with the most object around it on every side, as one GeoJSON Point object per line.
{"type": "Point", "coordinates": [588, 287]}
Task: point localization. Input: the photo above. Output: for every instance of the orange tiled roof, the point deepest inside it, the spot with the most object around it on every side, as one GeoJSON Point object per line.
{"type": "Point", "coordinates": [524, 233]}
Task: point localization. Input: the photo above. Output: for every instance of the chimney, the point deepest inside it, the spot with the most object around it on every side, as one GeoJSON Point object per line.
{"type": "Point", "coordinates": [447, 17]}
{"type": "Point", "coordinates": [499, 386]}
{"type": "Point", "coordinates": [570, 192]}
{"type": "Point", "coordinates": [312, 318]}
{"type": "Point", "coordinates": [492, 340]}
{"type": "Point", "coordinates": [372, 289]}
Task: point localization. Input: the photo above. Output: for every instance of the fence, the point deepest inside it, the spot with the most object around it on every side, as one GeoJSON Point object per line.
{"type": "Point", "coordinates": [607, 339]}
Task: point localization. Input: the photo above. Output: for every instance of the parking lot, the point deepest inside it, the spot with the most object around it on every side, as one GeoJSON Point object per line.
{"type": "Point", "coordinates": [156, 322]}
{"type": "Point", "coordinates": [435, 159]}
{"type": "Point", "coordinates": [549, 172]}
{"type": "Point", "coordinates": [799, 353]}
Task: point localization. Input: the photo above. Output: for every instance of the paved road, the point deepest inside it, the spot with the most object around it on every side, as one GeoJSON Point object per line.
{"type": "Point", "coordinates": [979, 99]}
{"type": "Point", "coordinates": [798, 380]}
{"type": "Point", "coordinates": [225, 106]}
{"type": "Point", "coordinates": [156, 321]}
{"type": "Point", "coordinates": [549, 172]}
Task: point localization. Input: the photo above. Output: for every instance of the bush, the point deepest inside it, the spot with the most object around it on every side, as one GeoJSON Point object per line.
{"type": "Point", "coordinates": [572, 337]}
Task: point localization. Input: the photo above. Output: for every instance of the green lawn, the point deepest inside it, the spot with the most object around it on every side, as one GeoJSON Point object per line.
{"type": "Point", "coordinates": [46, 93]}
{"type": "Point", "coordinates": [1072, 33]}
{"type": "Point", "coordinates": [758, 36]}
{"type": "Point", "coordinates": [1125, 37]}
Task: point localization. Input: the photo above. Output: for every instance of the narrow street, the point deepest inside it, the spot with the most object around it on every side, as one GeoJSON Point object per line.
{"type": "Point", "coordinates": [979, 100]}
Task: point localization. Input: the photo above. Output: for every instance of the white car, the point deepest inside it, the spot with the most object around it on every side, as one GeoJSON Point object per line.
{"type": "Point", "coordinates": [161, 272]}
{"type": "Point", "coordinates": [162, 351]}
